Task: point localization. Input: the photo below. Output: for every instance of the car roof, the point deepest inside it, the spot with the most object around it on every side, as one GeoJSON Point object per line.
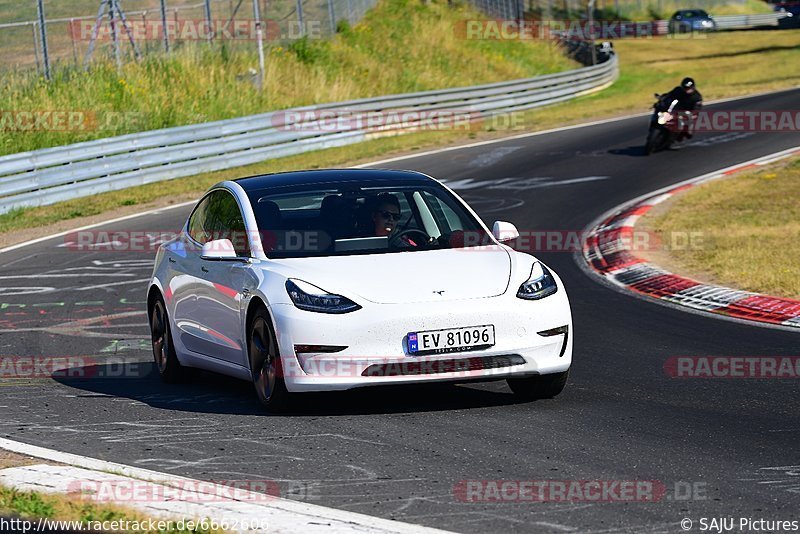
{"type": "Point", "coordinates": [331, 177]}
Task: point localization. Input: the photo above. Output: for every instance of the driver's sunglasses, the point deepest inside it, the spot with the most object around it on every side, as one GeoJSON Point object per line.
{"type": "Point", "coordinates": [388, 214]}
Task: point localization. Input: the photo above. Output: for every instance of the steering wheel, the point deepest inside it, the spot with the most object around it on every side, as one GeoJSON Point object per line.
{"type": "Point", "coordinates": [397, 240]}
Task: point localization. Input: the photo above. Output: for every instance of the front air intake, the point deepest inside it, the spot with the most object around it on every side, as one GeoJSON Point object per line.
{"type": "Point", "coordinates": [433, 367]}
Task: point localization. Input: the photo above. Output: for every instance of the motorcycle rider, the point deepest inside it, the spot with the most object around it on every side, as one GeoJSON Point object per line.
{"type": "Point", "coordinates": [689, 99]}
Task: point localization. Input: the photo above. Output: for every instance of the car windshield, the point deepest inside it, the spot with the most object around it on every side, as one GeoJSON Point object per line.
{"type": "Point", "coordinates": [348, 219]}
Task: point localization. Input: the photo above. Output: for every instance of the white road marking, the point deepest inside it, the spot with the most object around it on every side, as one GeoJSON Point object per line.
{"type": "Point", "coordinates": [61, 275]}
{"type": "Point", "coordinates": [103, 286]}
{"type": "Point", "coordinates": [518, 184]}
{"type": "Point", "coordinates": [487, 159]}
{"type": "Point", "coordinates": [720, 139]}
{"type": "Point", "coordinates": [32, 290]}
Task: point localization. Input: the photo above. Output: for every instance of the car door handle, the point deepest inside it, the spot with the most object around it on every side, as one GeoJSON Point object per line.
{"type": "Point", "coordinates": [172, 260]}
{"type": "Point", "coordinates": [204, 269]}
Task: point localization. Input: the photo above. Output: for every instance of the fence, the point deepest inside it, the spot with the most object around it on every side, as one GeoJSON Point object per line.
{"type": "Point", "coordinates": [55, 174]}
{"type": "Point", "coordinates": [68, 32]}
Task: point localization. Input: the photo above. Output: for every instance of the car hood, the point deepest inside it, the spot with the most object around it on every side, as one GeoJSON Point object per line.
{"type": "Point", "coordinates": [409, 277]}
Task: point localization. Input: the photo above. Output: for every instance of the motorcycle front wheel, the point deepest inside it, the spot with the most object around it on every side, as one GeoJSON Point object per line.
{"type": "Point", "coordinates": [653, 141]}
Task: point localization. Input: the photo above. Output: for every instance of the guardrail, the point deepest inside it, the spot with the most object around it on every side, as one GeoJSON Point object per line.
{"type": "Point", "coordinates": [50, 175]}
{"type": "Point", "coordinates": [731, 22]}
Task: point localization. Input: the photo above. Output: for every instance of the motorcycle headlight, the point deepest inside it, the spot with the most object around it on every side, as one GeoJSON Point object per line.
{"type": "Point", "coordinates": [541, 284]}
{"type": "Point", "coordinates": [664, 118]}
{"type": "Point", "coordinates": [309, 297]}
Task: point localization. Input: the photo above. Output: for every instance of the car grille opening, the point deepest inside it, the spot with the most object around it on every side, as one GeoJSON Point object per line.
{"type": "Point", "coordinates": [432, 367]}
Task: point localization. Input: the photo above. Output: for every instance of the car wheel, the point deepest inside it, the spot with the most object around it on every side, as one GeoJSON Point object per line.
{"type": "Point", "coordinates": [265, 363]}
{"type": "Point", "coordinates": [540, 386]}
{"type": "Point", "coordinates": [169, 368]}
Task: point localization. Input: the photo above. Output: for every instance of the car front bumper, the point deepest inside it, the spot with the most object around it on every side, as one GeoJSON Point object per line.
{"type": "Point", "coordinates": [375, 341]}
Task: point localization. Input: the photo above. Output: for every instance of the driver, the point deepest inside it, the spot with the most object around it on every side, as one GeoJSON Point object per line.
{"type": "Point", "coordinates": [689, 99]}
{"type": "Point", "coordinates": [687, 95]}
{"type": "Point", "coordinates": [385, 214]}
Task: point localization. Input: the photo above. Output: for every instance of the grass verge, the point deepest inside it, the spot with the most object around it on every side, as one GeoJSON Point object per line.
{"type": "Point", "coordinates": [57, 507]}
{"type": "Point", "coordinates": [724, 64]}
{"type": "Point", "coordinates": [749, 226]}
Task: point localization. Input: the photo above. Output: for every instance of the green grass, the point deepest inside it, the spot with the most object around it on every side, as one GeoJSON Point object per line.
{"type": "Point", "coordinates": [400, 46]}
{"type": "Point", "coordinates": [750, 229]}
{"type": "Point", "coordinates": [58, 507]}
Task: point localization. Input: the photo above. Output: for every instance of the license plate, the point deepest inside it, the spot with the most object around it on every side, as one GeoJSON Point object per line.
{"type": "Point", "coordinates": [451, 340]}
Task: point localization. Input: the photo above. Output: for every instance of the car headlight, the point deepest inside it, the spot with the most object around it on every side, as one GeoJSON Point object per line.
{"type": "Point", "coordinates": [541, 284]}
{"type": "Point", "coordinates": [309, 297]}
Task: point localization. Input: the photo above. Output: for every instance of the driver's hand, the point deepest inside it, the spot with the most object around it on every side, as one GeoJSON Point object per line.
{"type": "Point", "coordinates": [408, 241]}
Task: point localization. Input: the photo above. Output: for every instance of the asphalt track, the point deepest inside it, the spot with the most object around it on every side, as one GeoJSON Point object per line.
{"type": "Point", "coordinates": [398, 453]}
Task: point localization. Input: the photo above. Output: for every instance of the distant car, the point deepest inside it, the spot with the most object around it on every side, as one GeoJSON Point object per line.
{"type": "Point", "coordinates": [336, 279]}
{"type": "Point", "coordinates": [691, 20]}
{"type": "Point", "coordinates": [792, 12]}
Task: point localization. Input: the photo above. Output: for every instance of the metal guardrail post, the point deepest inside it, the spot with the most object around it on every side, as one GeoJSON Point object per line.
{"type": "Point", "coordinates": [43, 36]}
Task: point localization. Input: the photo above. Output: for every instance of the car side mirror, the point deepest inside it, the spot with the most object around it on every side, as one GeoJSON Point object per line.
{"type": "Point", "coordinates": [219, 249]}
{"type": "Point", "coordinates": [504, 231]}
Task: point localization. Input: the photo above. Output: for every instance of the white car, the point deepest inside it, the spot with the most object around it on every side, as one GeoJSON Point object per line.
{"type": "Point", "coordinates": [337, 279]}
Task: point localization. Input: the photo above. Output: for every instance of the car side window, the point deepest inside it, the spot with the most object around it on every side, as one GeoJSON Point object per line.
{"type": "Point", "coordinates": [224, 221]}
{"type": "Point", "coordinates": [197, 221]}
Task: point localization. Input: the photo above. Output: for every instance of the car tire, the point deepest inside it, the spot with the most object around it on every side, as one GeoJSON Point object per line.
{"type": "Point", "coordinates": [265, 362]}
{"type": "Point", "coordinates": [540, 386]}
{"type": "Point", "coordinates": [166, 360]}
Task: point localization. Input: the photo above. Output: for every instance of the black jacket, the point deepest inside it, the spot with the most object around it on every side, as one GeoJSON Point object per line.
{"type": "Point", "coordinates": [688, 102]}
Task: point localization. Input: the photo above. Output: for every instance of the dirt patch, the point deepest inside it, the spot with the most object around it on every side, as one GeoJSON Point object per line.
{"type": "Point", "coordinates": [12, 459]}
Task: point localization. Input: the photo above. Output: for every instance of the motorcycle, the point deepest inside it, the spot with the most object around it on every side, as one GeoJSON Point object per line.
{"type": "Point", "coordinates": [666, 125]}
